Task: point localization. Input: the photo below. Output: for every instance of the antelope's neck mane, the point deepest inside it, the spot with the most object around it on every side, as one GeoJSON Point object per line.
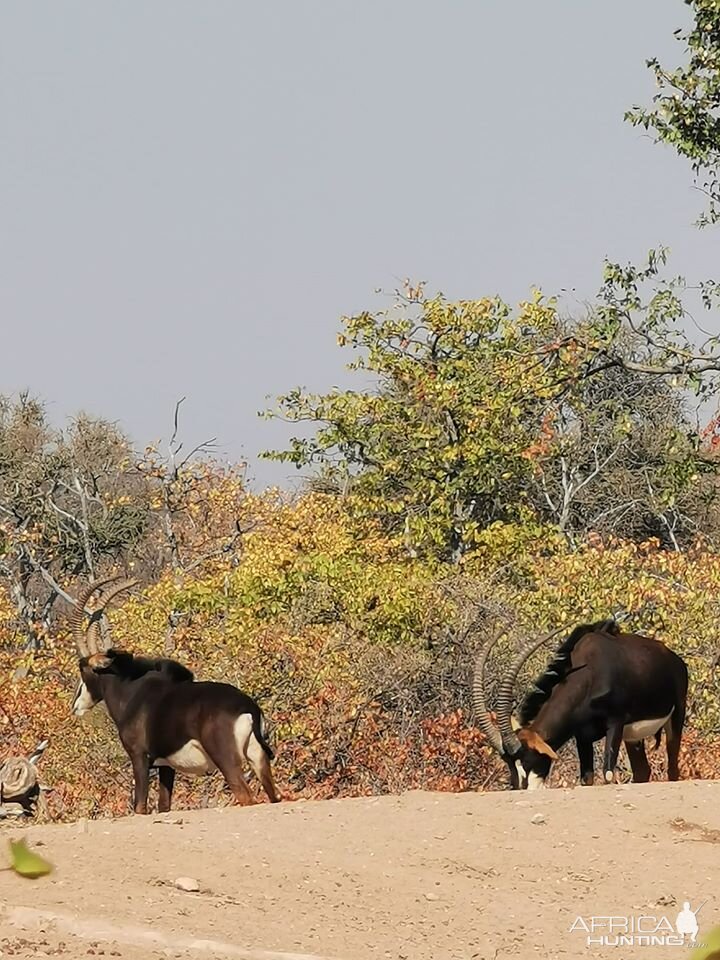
{"type": "Point", "coordinates": [557, 669]}
{"type": "Point", "coordinates": [119, 682]}
{"type": "Point", "coordinates": [129, 666]}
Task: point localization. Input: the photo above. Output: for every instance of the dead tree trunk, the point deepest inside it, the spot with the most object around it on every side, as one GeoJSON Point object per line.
{"type": "Point", "coordinates": [19, 785]}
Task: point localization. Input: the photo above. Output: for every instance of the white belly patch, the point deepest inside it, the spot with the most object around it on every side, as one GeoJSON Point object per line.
{"type": "Point", "coordinates": [190, 759]}
{"type": "Point", "coordinates": [644, 728]}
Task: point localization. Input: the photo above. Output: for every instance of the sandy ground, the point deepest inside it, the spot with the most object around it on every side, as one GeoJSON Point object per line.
{"type": "Point", "coordinates": [420, 876]}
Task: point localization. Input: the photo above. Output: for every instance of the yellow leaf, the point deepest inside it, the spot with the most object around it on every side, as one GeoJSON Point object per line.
{"type": "Point", "coordinates": [710, 950]}
{"type": "Point", "coordinates": [27, 863]}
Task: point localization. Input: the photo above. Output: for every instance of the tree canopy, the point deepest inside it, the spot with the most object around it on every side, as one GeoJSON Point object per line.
{"type": "Point", "coordinates": [476, 413]}
{"type": "Point", "coordinates": [685, 112]}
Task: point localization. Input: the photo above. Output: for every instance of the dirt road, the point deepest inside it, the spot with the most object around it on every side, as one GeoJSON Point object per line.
{"type": "Point", "coordinates": [420, 876]}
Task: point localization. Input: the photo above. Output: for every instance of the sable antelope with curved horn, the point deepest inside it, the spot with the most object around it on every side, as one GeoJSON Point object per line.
{"type": "Point", "coordinates": [89, 643]}
{"type": "Point", "coordinates": [164, 719]}
{"type": "Point", "coordinates": [600, 683]}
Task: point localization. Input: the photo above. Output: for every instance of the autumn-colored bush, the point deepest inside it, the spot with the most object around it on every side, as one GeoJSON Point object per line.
{"type": "Point", "coordinates": [360, 656]}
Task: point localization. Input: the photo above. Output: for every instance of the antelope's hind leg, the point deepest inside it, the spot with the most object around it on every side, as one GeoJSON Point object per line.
{"type": "Point", "coordinates": [638, 760]}
{"type": "Point", "coordinates": [673, 737]}
{"type": "Point", "coordinates": [260, 763]}
{"type": "Point", "coordinates": [221, 745]}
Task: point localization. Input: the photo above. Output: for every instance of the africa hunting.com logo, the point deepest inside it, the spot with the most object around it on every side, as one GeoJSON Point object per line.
{"type": "Point", "coordinates": [641, 930]}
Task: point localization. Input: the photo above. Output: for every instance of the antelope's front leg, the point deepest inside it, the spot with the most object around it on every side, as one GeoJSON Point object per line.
{"type": "Point", "coordinates": [587, 761]}
{"type": "Point", "coordinates": [141, 775]}
{"type": "Point", "coordinates": [613, 739]}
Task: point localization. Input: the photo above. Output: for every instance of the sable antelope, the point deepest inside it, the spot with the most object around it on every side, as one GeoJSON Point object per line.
{"type": "Point", "coordinates": [600, 683]}
{"type": "Point", "coordinates": [166, 720]}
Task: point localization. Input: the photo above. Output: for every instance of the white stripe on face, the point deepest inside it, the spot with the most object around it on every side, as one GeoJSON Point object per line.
{"type": "Point", "coordinates": [83, 701]}
{"type": "Point", "coordinates": [522, 775]}
{"type": "Point", "coordinates": [535, 782]}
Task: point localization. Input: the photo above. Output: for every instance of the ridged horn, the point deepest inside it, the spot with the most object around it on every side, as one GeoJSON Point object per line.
{"type": "Point", "coordinates": [482, 714]}
{"type": "Point", "coordinates": [94, 637]}
{"type": "Point", "coordinates": [78, 614]}
{"type": "Point", "coordinates": [510, 741]}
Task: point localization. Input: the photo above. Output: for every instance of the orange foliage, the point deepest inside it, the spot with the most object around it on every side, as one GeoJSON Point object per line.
{"type": "Point", "coordinates": [352, 652]}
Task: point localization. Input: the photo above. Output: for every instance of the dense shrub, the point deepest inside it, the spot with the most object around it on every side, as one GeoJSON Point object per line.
{"type": "Point", "coordinates": [362, 657]}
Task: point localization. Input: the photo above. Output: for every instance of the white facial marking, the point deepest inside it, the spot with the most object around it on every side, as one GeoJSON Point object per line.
{"type": "Point", "coordinates": [83, 701]}
{"type": "Point", "coordinates": [535, 782]}
{"type": "Point", "coordinates": [644, 728]}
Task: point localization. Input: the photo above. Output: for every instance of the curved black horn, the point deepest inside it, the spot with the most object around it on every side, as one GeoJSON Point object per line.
{"type": "Point", "coordinates": [78, 613]}
{"type": "Point", "coordinates": [482, 714]}
{"type": "Point", "coordinates": [511, 743]}
{"type": "Point", "coordinates": [94, 638]}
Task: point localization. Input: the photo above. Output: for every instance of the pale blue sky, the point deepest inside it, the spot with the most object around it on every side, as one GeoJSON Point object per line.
{"type": "Point", "coordinates": [192, 193]}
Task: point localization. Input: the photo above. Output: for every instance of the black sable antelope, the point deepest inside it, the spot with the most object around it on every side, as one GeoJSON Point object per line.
{"type": "Point", "coordinates": [166, 720]}
{"type": "Point", "coordinates": [600, 683]}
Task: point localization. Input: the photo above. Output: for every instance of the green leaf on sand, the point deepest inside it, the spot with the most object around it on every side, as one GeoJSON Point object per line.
{"type": "Point", "coordinates": [710, 949]}
{"type": "Point", "coordinates": [27, 863]}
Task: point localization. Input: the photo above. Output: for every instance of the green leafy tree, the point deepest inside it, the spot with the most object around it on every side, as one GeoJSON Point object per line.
{"type": "Point", "coordinates": [475, 410]}
{"type": "Point", "coordinates": [437, 450]}
{"type": "Point", "coordinates": [686, 109]}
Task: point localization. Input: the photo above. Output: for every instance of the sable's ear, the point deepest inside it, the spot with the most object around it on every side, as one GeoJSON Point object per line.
{"type": "Point", "coordinates": [99, 662]}
{"type": "Point", "coordinates": [535, 742]}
